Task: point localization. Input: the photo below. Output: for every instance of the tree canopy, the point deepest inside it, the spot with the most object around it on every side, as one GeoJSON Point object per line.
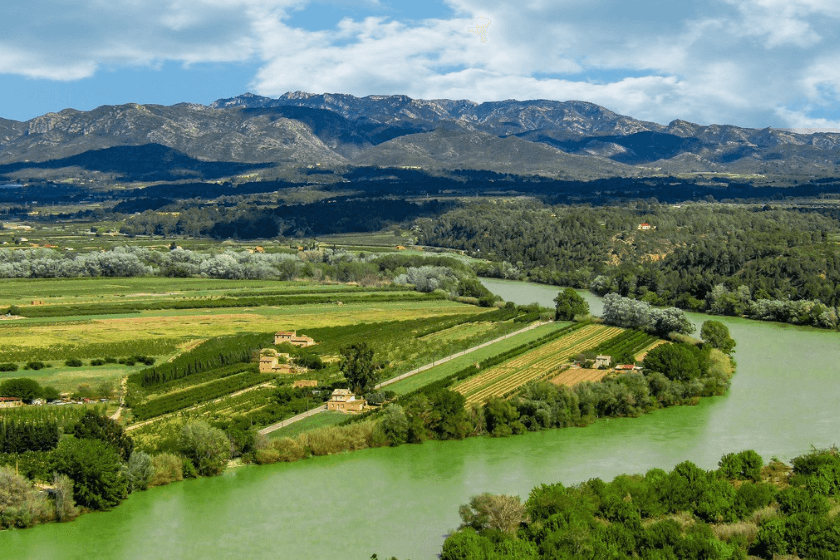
{"type": "Point", "coordinates": [357, 366]}
{"type": "Point", "coordinates": [567, 304]}
{"type": "Point", "coordinates": [717, 335]}
{"type": "Point", "coordinates": [95, 469]}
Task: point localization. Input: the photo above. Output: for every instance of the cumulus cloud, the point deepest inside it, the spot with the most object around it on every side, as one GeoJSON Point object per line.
{"type": "Point", "coordinates": [750, 62]}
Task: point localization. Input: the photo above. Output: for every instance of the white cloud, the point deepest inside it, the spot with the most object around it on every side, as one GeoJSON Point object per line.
{"type": "Point", "coordinates": [736, 61]}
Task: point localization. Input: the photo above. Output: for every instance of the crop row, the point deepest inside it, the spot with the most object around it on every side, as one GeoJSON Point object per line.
{"type": "Point", "coordinates": [572, 377]}
{"type": "Point", "coordinates": [201, 378]}
{"type": "Point", "coordinates": [111, 308]}
{"type": "Point", "coordinates": [532, 365]}
{"type": "Point", "coordinates": [630, 342]}
{"type": "Point", "coordinates": [184, 399]}
{"type": "Point", "coordinates": [65, 415]}
{"type": "Point", "coordinates": [211, 354]}
{"type": "Point", "coordinates": [144, 347]}
{"type": "Point", "coordinates": [556, 351]}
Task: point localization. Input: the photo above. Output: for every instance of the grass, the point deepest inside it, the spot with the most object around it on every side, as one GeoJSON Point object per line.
{"type": "Point", "coordinates": [433, 374]}
{"type": "Point", "coordinates": [68, 379]}
{"type": "Point", "coordinates": [320, 420]}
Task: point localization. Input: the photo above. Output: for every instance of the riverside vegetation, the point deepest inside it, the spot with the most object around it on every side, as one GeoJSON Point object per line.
{"type": "Point", "coordinates": [742, 508]}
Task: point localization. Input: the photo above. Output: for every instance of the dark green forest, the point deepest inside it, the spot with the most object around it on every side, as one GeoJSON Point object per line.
{"type": "Point", "coordinates": [763, 262]}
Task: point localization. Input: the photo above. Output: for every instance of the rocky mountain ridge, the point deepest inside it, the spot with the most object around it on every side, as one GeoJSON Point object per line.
{"type": "Point", "coordinates": [570, 139]}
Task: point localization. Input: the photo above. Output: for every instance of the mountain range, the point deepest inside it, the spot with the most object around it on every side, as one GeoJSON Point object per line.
{"type": "Point", "coordinates": [249, 134]}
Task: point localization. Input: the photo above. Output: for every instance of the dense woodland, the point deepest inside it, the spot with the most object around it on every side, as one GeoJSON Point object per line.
{"type": "Point", "coordinates": [769, 263]}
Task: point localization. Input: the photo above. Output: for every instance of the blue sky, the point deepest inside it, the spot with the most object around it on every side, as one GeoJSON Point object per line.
{"type": "Point", "coordinates": [753, 63]}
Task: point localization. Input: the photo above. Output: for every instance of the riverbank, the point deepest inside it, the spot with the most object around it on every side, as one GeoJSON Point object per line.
{"type": "Point", "coordinates": [404, 500]}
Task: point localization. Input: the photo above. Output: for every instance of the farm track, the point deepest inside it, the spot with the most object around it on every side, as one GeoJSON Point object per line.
{"type": "Point", "coordinates": [507, 377]}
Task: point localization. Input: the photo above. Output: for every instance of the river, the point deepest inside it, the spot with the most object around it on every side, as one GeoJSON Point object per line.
{"type": "Point", "coordinates": [403, 501]}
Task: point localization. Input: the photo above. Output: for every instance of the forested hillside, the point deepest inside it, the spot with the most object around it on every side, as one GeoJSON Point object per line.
{"type": "Point", "coordinates": [778, 263]}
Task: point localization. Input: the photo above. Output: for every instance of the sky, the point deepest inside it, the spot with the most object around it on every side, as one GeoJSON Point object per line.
{"type": "Point", "coordinates": [753, 63]}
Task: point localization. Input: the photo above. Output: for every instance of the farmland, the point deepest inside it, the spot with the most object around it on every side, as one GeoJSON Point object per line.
{"type": "Point", "coordinates": [506, 377]}
{"type": "Point", "coordinates": [573, 376]}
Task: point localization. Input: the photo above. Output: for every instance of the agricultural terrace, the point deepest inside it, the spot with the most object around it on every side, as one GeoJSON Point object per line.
{"type": "Point", "coordinates": [505, 378]}
{"type": "Point", "coordinates": [575, 375]}
{"type": "Point", "coordinates": [163, 332]}
{"type": "Point", "coordinates": [453, 366]}
{"type": "Point", "coordinates": [218, 380]}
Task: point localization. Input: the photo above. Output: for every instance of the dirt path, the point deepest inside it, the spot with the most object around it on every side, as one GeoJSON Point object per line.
{"type": "Point", "coordinates": [116, 415]}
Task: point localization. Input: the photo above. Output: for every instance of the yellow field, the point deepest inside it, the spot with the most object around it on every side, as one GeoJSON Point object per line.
{"type": "Point", "coordinates": [197, 323]}
{"type": "Point", "coordinates": [573, 376]}
{"type": "Point", "coordinates": [504, 378]}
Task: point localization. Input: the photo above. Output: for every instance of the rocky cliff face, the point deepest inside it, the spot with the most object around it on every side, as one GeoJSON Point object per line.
{"type": "Point", "coordinates": [301, 129]}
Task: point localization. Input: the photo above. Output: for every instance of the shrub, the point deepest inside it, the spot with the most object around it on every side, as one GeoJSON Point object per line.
{"type": "Point", "coordinates": [21, 504]}
{"type": "Point", "coordinates": [206, 447]}
{"type": "Point", "coordinates": [35, 365]}
{"type": "Point", "coordinates": [139, 471]}
{"type": "Point", "coordinates": [73, 362]}
{"type": "Point", "coordinates": [168, 468]}
{"type": "Point", "coordinates": [8, 367]}
{"type": "Point", "coordinates": [97, 362]}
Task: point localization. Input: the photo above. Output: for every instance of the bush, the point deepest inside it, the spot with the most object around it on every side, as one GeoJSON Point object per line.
{"type": "Point", "coordinates": [21, 504]}
{"type": "Point", "coordinates": [35, 365]}
{"type": "Point", "coordinates": [73, 362]}
{"type": "Point", "coordinates": [139, 471]}
{"type": "Point", "coordinates": [8, 367]}
{"type": "Point", "coordinates": [206, 447]}
{"type": "Point", "coordinates": [168, 468]}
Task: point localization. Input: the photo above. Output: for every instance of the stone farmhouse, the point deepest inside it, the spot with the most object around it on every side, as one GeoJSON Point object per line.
{"type": "Point", "coordinates": [292, 338]}
{"type": "Point", "coordinates": [343, 400]}
{"type": "Point", "coordinates": [272, 361]}
{"type": "Point", "coordinates": [602, 361]}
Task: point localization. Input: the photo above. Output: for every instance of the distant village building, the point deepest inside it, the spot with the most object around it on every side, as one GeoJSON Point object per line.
{"type": "Point", "coordinates": [343, 400]}
{"type": "Point", "coordinates": [10, 402]}
{"type": "Point", "coordinates": [305, 383]}
{"type": "Point", "coordinates": [292, 338]}
{"type": "Point", "coordinates": [602, 361]}
{"type": "Point", "coordinates": [645, 226]}
{"type": "Point", "coordinates": [270, 362]}
{"type": "Point", "coordinates": [628, 367]}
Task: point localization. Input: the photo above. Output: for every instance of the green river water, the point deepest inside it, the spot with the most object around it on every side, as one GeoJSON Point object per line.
{"type": "Point", "coordinates": [403, 501]}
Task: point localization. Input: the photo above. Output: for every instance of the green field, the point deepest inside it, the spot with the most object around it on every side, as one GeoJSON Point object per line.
{"type": "Point", "coordinates": [424, 378]}
{"type": "Point", "coordinates": [320, 420]}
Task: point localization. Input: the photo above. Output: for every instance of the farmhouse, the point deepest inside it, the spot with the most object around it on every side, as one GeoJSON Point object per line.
{"type": "Point", "coordinates": [10, 402]}
{"type": "Point", "coordinates": [292, 338]}
{"type": "Point", "coordinates": [645, 226]}
{"type": "Point", "coordinates": [602, 361]}
{"type": "Point", "coordinates": [272, 361]}
{"type": "Point", "coordinates": [628, 367]}
{"type": "Point", "coordinates": [343, 400]}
